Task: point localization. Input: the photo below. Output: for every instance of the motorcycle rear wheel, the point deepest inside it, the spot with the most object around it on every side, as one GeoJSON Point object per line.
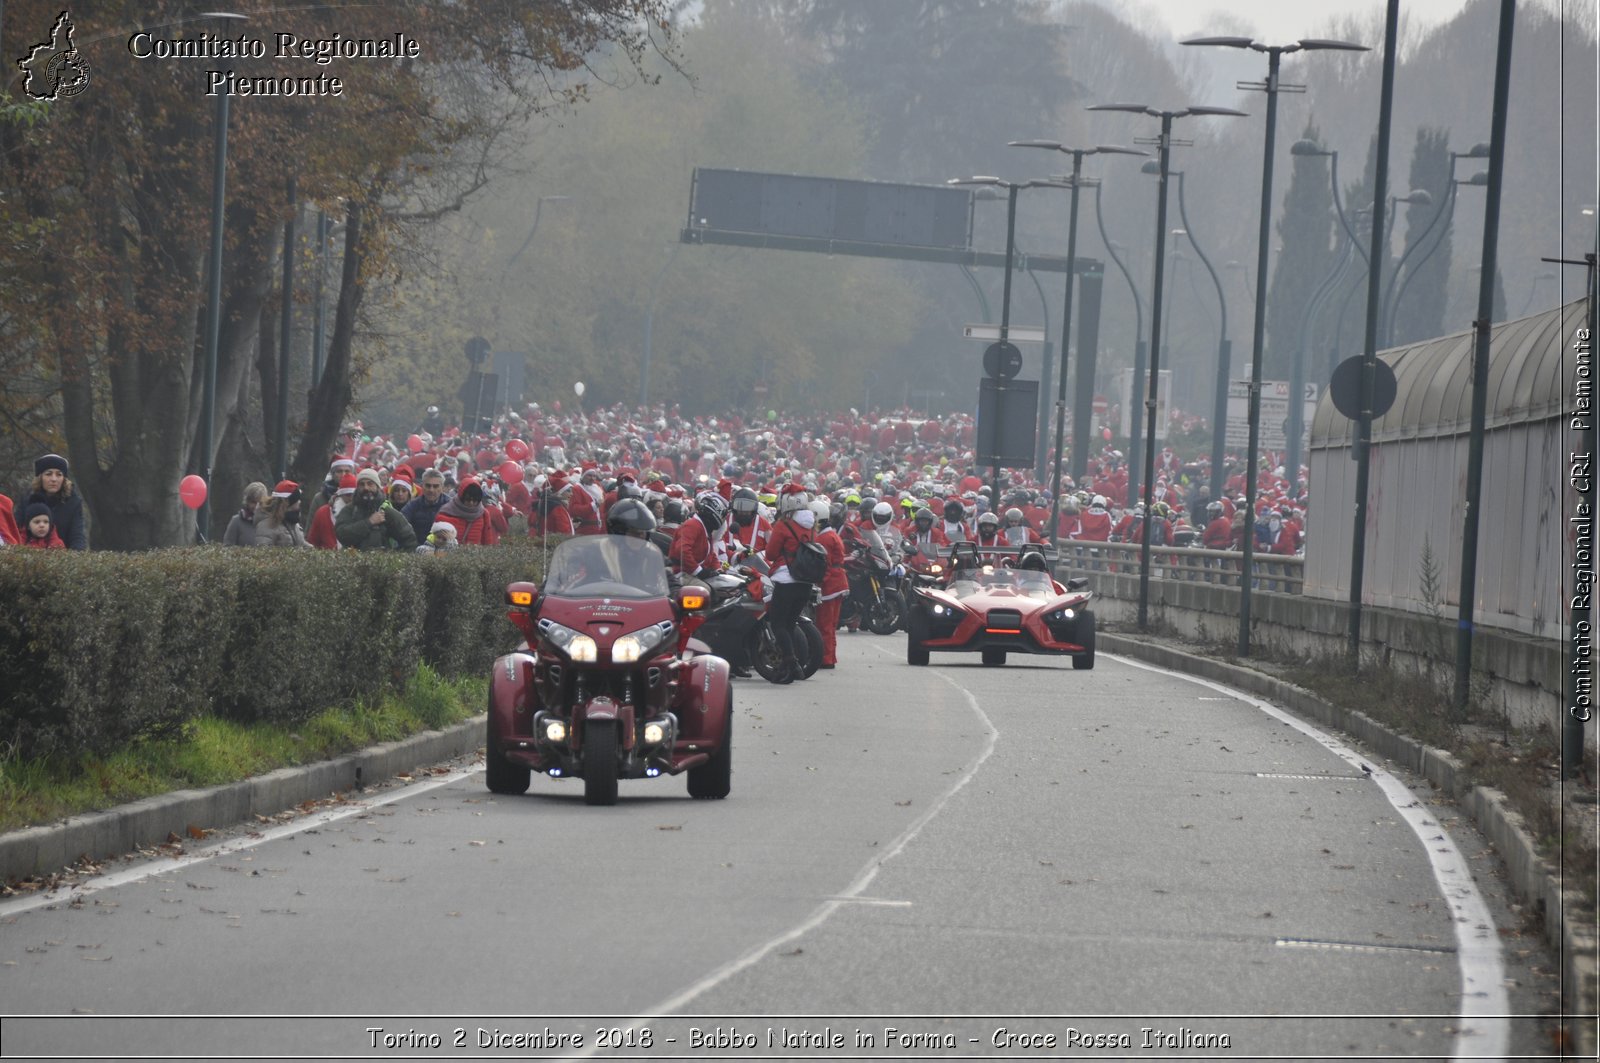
{"type": "Point", "coordinates": [600, 763]}
{"type": "Point", "coordinates": [712, 780]}
{"type": "Point", "coordinates": [813, 646]}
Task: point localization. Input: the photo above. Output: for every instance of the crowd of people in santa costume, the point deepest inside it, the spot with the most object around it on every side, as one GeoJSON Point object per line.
{"type": "Point", "coordinates": [547, 472]}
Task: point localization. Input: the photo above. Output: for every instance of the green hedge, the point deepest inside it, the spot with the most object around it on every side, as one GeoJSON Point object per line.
{"type": "Point", "coordinates": [100, 650]}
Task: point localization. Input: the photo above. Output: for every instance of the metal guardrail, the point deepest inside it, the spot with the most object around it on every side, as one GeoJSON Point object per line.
{"type": "Point", "coordinates": [1273, 572]}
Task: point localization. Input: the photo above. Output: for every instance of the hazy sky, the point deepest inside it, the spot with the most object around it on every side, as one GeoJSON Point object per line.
{"type": "Point", "coordinates": [1280, 21]}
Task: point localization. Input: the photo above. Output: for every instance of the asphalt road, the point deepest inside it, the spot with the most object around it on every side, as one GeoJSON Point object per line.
{"type": "Point", "coordinates": [1020, 862]}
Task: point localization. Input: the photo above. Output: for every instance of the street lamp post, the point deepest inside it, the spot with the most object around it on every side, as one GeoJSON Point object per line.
{"type": "Point", "coordinates": [1074, 182]}
{"type": "Point", "coordinates": [1078, 467]}
{"type": "Point", "coordinates": [1271, 87]}
{"type": "Point", "coordinates": [1164, 154]}
{"type": "Point", "coordinates": [1219, 405]}
{"type": "Point", "coordinates": [208, 402]}
{"type": "Point", "coordinates": [1012, 188]}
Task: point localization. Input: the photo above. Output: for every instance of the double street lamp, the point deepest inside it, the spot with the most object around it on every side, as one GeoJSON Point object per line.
{"type": "Point", "coordinates": [1012, 188]}
{"type": "Point", "coordinates": [1271, 87]}
{"type": "Point", "coordinates": [1073, 181]}
{"type": "Point", "coordinates": [1446, 211]}
{"type": "Point", "coordinates": [1164, 151]}
{"type": "Point", "coordinates": [1219, 406]}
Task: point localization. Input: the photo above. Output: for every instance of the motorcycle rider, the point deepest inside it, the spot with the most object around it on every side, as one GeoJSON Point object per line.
{"type": "Point", "coordinates": [747, 529]}
{"type": "Point", "coordinates": [888, 533]}
{"type": "Point", "coordinates": [1017, 531]}
{"type": "Point", "coordinates": [795, 525]}
{"type": "Point", "coordinates": [989, 535]}
{"type": "Point", "coordinates": [693, 553]}
{"type": "Point", "coordinates": [955, 527]}
{"type": "Point", "coordinates": [924, 534]}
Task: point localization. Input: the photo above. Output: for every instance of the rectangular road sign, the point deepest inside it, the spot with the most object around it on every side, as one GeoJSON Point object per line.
{"type": "Point", "coordinates": [1274, 414]}
{"type": "Point", "coordinates": [1016, 333]}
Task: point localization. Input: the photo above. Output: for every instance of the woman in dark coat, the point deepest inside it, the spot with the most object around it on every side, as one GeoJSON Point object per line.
{"type": "Point", "coordinates": [52, 487]}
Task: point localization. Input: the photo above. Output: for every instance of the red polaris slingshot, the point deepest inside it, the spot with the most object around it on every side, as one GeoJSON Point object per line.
{"type": "Point", "coordinates": [1000, 600]}
{"type": "Point", "coordinates": [602, 688]}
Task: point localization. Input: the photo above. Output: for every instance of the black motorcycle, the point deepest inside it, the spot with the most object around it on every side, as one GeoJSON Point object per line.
{"type": "Point", "coordinates": [737, 630]}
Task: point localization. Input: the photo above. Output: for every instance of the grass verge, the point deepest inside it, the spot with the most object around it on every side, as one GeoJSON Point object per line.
{"type": "Point", "coordinates": [211, 752]}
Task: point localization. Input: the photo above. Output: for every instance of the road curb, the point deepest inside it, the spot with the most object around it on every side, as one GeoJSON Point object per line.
{"type": "Point", "coordinates": [127, 828]}
{"type": "Point", "coordinates": [1535, 881]}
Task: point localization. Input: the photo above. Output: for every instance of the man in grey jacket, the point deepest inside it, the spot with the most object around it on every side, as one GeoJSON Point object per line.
{"type": "Point", "coordinates": [369, 522]}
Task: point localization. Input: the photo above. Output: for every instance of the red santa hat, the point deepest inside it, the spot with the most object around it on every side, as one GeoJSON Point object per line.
{"type": "Point", "coordinates": [347, 484]}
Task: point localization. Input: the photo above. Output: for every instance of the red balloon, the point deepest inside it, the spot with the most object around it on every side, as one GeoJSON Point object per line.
{"type": "Point", "coordinates": [414, 444]}
{"type": "Point", "coordinates": [1106, 432]}
{"type": "Point", "coordinates": [517, 450]}
{"type": "Point", "coordinates": [510, 472]}
{"type": "Point", "coordinates": [192, 489]}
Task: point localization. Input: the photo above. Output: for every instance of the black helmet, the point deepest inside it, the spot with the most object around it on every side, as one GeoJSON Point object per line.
{"type": "Point", "coordinates": [745, 506]}
{"type": "Point", "coordinates": [954, 510]}
{"type": "Point", "coordinates": [924, 518]}
{"type": "Point", "coordinates": [675, 512]}
{"type": "Point", "coordinates": [629, 516]}
{"type": "Point", "coordinates": [712, 509]}
{"type": "Point", "coordinates": [628, 489]}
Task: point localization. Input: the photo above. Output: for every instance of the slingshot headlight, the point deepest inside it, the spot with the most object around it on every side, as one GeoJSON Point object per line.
{"type": "Point", "coordinates": [555, 730]}
{"type": "Point", "coordinates": [654, 733]}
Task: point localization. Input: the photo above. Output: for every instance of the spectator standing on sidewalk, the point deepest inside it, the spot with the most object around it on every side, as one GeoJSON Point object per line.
{"type": "Point", "coordinates": [242, 528]}
{"type": "Point", "coordinates": [371, 523]}
{"type": "Point", "coordinates": [52, 486]}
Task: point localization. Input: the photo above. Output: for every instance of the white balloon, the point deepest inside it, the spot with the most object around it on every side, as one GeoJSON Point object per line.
{"type": "Point", "coordinates": [578, 389]}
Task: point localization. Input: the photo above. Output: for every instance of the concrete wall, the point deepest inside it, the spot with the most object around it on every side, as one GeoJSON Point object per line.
{"type": "Point", "coordinates": [1524, 674]}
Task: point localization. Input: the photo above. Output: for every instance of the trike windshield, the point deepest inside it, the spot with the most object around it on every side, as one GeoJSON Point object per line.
{"type": "Point", "coordinates": [607, 566]}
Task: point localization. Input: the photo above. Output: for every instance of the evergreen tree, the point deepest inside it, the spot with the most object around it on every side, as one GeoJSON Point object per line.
{"type": "Point", "coordinates": [1305, 231]}
{"type": "Point", "coordinates": [1417, 312]}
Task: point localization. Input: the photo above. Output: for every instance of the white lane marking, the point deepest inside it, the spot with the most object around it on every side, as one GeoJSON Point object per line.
{"type": "Point", "coordinates": [1484, 1032]}
{"type": "Point", "coordinates": [852, 894]}
{"type": "Point", "coordinates": [235, 845]}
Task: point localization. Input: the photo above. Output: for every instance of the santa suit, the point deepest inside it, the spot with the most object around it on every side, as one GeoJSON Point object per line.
{"type": "Point", "coordinates": [1019, 536]}
{"type": "Point", "coordinates": [956, 531]}
{"type": "Point", "coordinates": [586, 510]}
{"type": "Point", "coordinates": [1068, 526]}
{"type": "Point", "coordinates": [320, 534]}
{"type": "Point", "coordinates": [1096, 525]}
{"type": "Point", "coordinates": [752, 536]}
{"type": "Point", "coordinates": [934, 536]}
{"type": "Point", "coordinates": [1218, 534]}
{"type": "Point", "coordinates": [691, 550]}
{"type": "Point", "coordinates": [835, 585]}
{"type": "Point", "coordinates": [555, 520]}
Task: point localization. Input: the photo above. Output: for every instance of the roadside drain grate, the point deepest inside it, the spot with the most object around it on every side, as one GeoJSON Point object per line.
{"type": "Point", "coordinates": [1320, 778]}
{"type": "Point", "coordinates": [1356, 946]}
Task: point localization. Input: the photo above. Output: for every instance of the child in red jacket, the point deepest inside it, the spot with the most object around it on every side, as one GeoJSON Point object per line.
{"type": "Point", "coordinates": [39, 529]}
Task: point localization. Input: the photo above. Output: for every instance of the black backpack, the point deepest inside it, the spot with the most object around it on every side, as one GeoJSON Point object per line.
{"type": "Point", "coordinates": [810, 563]}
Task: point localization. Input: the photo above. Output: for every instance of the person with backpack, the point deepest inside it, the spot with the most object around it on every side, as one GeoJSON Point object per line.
{"type": "Point", "coordinates": [796, 562]}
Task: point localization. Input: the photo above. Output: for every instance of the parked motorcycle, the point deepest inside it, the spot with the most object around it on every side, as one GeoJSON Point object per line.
{"type": "Point", "coordinates": [600, 688]}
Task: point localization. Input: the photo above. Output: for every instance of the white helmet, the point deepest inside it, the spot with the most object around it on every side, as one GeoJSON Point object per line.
{"type": "Point", "coordinates": [792, 501]}
{"type": "Point", "coordinates": [882, 513]}
{"type": "Point", "coordinates": [821, 509]}
{"type": "Point", "coordinates": [1099, 500]}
